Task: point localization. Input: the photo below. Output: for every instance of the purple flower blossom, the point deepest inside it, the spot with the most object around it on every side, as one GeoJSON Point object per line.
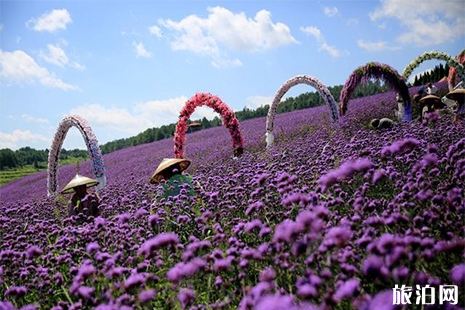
{"type": "Point", "coordinates": [85, 271]}
{"type": "Point", "coordinates": [400, 146]}
{"type": "Point", "coordinates": [162, 240]}
{"type": "Point", "coordinates": [146, 296]}
{"type": "Point", "coordinates": [33, 251]}
{"type": "Point", "coordinates": [338, 236]}
{"type": "Point", "coordinates": [92, 247]}
{"type": "Point", "coordinates": [347, 289]}
{"type": "Point", "coordinates": [134, 280]}
{"type": "Point", "coordinates": [267, 275]}
{"type": "Point", "coordinates": [457, 274]}
{"type": "Point", "coordinates": [275, 302]}
{"type": "Point", "coordinates": [307, 290]}
{"type": "Point", "coordinates": [86, 292]}
{"type": "Point", "coordinates": [182, 270]}
{"type": "Point", "coordinates": [345, 171]}
{"type": "Point", "coordinates": [186, 297]}
{"type": "Point", "coordinates": [16, 291]}
{"type": "Point", "coordinates": [286, 231]}
{"type": "Point", "coordinates": [383, 301]}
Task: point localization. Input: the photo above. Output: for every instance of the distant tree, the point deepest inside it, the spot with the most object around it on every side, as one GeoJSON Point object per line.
{"type": "Point", "coordinates": [8, 159]}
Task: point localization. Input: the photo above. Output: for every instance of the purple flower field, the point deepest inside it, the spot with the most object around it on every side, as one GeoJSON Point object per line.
{"type": "Point", "coordinates": [333, 216]}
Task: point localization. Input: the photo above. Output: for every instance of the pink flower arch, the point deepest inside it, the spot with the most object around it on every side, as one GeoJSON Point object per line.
{"type": "Point", "coordinates": [452, 77]}
{"type": "Point", "coordinates": [98, 165]}
{"type": "Point", "coordinates": [228, 116]}
{"type": "Point", "coordinates": [377, 71]}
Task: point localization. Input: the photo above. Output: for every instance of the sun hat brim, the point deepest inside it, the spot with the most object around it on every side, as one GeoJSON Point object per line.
{"type": "Point", "coordinates": [457, 94]}
{"type": "Point", "coordinates": [430, 98]}
{"type": "Point", "coordinates": [165, 164]}
{"type": "Point", "coordinates": [79, 180]}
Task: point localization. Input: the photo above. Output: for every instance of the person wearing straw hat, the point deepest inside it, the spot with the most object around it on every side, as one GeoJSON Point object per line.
{"type": "Point", "coordinates": [170, 174]}
{"type": "Point", "coordinates": [428, 104]}
{"type": "Point", "coordinates": [82, 202]}
{"type": "Point", "coordinates": [458, 95]}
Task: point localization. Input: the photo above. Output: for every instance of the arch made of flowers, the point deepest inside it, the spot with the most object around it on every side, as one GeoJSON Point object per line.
{"type": "Point", "coordinates": [453, 63]}
{"type": "Point", "coordinates": [452, 76]}
{"type": "Point", "coordinates": [98, 165]}
{"type": "Point", "coordinates": [299, 79]}
{"type": "Point", "coordinates": [374, 70]}
{"type": "Point", "coordinates": [228, 116]}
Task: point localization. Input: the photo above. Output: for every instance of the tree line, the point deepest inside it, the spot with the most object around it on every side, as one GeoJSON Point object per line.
{"type": "Point", "coordinates": [29, 156]}
{"type": "Point", "coordinates": [432, 76]}
{"type": "Point", "coordinates": [26, 156]}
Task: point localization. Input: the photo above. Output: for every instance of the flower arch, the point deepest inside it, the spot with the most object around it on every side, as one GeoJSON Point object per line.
{"type": "Point", "coordinates": [453, 72]}
{"type": "Point", "coordinates": [230, 121]}
{"type": "Point", "coordinates": [377, 71]}
{"type": "Point", "coordinates": [453, 63]}
{"type": "Point", "coordinates": [98, 166]}
{"type": "Point", "coordinates": [299, 79]}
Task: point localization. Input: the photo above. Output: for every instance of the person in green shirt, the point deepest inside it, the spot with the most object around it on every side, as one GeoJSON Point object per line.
{"type": "Point", "coordinates": [82, 202]}
{"type": "Point", "coordinates": [170, 174]}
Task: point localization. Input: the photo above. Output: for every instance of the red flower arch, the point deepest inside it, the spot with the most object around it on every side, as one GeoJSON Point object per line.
{"type": "Point", "coordinates": [228, 116]}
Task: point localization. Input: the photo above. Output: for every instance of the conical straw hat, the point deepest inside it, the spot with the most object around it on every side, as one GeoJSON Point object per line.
{"type": "Point", "coordinates": [430, 98]}
{"type": "Point", "coordinates": [457, 94]}
{"type": "Point", "coordinates": [77, 181]}
{"type": "Point", "coordinates": [166, 163]}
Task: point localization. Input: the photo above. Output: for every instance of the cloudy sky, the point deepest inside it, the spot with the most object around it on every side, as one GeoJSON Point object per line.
{"type": "Point", "coordinates": [127, 66]}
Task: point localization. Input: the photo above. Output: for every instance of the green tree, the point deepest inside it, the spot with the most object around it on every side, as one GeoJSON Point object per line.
{"type": "Point", "coordinates": [8, 159]}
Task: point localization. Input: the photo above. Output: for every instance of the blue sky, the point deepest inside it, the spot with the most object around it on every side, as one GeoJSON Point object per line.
{"type": "Point", "coordinates": [127, 66]}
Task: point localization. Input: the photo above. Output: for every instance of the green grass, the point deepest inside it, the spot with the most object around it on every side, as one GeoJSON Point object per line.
{"type": "Point", "coordinates": [9, 175]}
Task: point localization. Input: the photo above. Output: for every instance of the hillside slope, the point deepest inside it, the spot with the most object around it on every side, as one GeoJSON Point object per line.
{"type": "Point", "coordinates": [334, 216]}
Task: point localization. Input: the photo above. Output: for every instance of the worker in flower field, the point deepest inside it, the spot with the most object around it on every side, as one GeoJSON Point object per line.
{"type": "Point", "coordinates": [400, 107]}
{"type": "Point", "coordinates": [170, 174]}
{"type": "Point", "coordinates": [429, 104]}
{"type": "Point", "coordinates": [82, 202]}
{"type": "Point", "coordinates": [383, 123]}
{"type": "Point", "coordinates": [431, 89]}
{"type": "Point", "coordinates": [458, 95]}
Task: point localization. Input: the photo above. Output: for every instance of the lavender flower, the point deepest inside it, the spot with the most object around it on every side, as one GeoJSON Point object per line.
{"type": "Point", "coordinates": [457, 274]}
{"type": "Point", "coordinates": [162, 240]}
{"type": "Point", "coordinates": [146, 296]}
{"type": "Point", "coordinates": [347, 289]}
{"type": "Point", "coordinates": [186, 297]}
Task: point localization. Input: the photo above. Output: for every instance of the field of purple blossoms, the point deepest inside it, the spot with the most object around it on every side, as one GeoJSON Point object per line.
{"type": "Point", "coordinates": [332, 217]}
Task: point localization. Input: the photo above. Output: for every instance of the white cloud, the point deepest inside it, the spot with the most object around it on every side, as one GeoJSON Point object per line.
{"type": "Point", "coordinates": [331, 11]}
{"type": "Point", "coordinates": [144, 115]}
{"type": "Point", "coordinates": [224, 63]}
{"type": "Point", "coordinates": [56, 55]}
{"type": "Point", "coordinates": [254, 102]}
{"type": "Point", "coordinates": [427, 22]}
{"type": "Point", "coordinates": [18, 137]}
{"type": "Point", "coordinates": [140, 50]}
{"type": "Point", "coordinates": [19, 67]}
{"type": "Point", "coordinates": [51, 21]}
{"type": "Point", "coordinates": [156, 31]}
{"type": "Point", "coordinates": [314, 31]}
{"type": "Point", "coordinates": [352, 22]}
{"type": "Point", "coordinates": [223, 29]}
{"type": "Point", "coordinates": [32, 119]}
{"type": "Point", "coordinates": [375, 46]}
{"type": "Point", "coordinates": [330, 49]}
